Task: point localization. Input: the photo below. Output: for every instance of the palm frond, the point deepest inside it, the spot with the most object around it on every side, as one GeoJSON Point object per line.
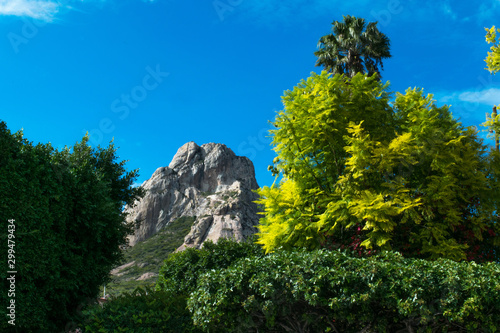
{"type": "Point", "coordinates": [353, 47]}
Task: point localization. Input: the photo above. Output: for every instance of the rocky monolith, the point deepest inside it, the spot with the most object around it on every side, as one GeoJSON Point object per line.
{"type": "Point", "coordinates": [208, 182]}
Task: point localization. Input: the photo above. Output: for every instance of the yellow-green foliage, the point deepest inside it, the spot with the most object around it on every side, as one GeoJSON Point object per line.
{"type": "Point", "coordinates": [493, 123]}
{"type": "Point", "coordinates": [493, 58]}
{"type": "Point", "coordinates": [359, 170]}
{"type": "Point", "coordinates": [310, 131]}
{"type": "Point", "coordinates": [493, 65]}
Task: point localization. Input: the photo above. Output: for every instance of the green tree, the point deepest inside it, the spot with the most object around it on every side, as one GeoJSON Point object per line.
{"type": "Point", "coordinates": [309, 140]}
{"type": "Point", "coordinates": [364, 172]}
{"type": "Point", "coordinates": [493, 65]}
{"type": "Point", "coordinates": [353, 47]}
{"type": "Point", "coordinates": [493, 58]}
{"type": "Point", "coordinates": [69, 225]}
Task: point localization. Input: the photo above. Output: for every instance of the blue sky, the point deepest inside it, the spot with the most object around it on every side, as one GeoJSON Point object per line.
{"type": "Point", "coordinates": [154, 75]}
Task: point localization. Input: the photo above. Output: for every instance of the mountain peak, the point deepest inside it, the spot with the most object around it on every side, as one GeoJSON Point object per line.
{"type": "Point", "coordinates": [208, 183]}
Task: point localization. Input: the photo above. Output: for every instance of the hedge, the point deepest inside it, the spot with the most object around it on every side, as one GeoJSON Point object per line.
{"type": "Point", "coordinates": [330, 291]}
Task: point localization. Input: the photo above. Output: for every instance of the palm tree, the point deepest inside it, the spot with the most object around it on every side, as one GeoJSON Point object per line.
{"type": "Point", "coordinates": [353, 47]}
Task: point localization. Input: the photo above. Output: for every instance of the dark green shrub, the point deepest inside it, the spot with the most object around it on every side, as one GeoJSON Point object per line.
{"type": "Point", "coordinates": [144, 310]}
{"type": "Point", "coordinates": [329, 291]}
{"type": "Point", "coordinates": [181, 271]}
{"type": "Point", "coordinates": [67, 206]}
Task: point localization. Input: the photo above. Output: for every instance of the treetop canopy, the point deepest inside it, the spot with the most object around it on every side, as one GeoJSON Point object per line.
{"type": "Point", "coordinates": [366, 171]}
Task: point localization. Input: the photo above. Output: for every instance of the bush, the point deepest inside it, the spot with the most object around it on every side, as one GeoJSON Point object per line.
{"type": "Point", "coordinates": [329, 291]}
{"type": "Point", "coordinates": [69, 225]}
{"type": "Point", "coordinates": [181, 271]}
{"type": "Point", "coordinates": [144, 310]}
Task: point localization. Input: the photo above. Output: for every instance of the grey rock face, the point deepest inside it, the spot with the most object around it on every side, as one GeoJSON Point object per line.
{"type": "Point", "coordinates": [209, 182]}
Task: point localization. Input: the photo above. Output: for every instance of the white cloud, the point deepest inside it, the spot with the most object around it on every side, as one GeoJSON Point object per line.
{"type": "Point", "coordinates": [45, 10]}
{"type": "Point", "coordinates": [470, 105]}
{"type": "Point", "coordinates": [446, 8]}
{"type": "Point", "coordinates": [37, 9]}
{"type": "Point", "coordinates": [489, 96]}
{"type": "Point", "coordinates": [485, 96]}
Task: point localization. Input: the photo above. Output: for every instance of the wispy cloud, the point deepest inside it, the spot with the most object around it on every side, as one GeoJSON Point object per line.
{"type": "Point", "coordinates": [488, 11]}
{"type": "Point", "coordinates": [37, 9]}
{"type": "Point", "coordinates": [470, 106]}
{"type": "Point", "coordinates": [487, 96]}
{"type": "Point", "coordinates": [447, 10]}
{"type": "Point", "coordinates": [45, 10]}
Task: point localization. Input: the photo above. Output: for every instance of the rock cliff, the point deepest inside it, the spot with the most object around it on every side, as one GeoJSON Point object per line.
{"type": "Point", "coordinates": [209, 183]}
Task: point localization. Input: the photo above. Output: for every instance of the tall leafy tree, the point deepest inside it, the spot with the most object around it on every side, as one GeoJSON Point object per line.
{"type": "Point", "coordinates": [367, 172]}
{"type": "Point", "coordinates": [67, 208]}
{"type": "Point", "coordinates": [309, 140]}
{"type": "Point", "coordinates": [353, 47]}
{"type": "Point", "coordinates": [493, 65]}
{"type": "Point", "coordinates": [493, 58]}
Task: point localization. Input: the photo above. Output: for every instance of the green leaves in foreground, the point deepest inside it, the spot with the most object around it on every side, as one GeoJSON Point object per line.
{"type": "Point", "coordinates": [68, 210]}
{"type": "Point", "coordinates": [328, 291]}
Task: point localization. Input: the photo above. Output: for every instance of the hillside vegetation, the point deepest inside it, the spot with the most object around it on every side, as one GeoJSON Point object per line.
{"type": "Point", "coordinates": [148, 257]}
